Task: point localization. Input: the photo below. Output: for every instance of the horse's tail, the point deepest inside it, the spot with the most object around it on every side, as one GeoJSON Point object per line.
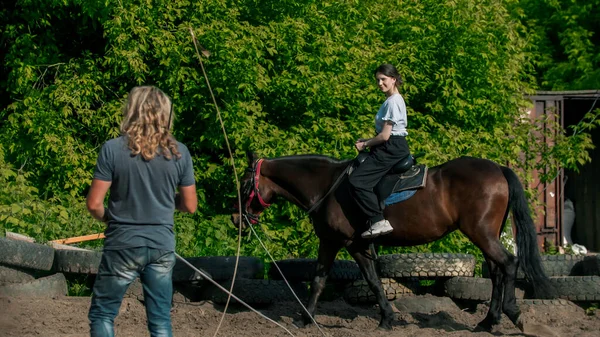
{"type": "Point", "coordinates": [526, 237]}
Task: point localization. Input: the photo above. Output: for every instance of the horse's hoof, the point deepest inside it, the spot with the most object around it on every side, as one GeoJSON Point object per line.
{"type": "Point", "coordinates": [484, 325]}
{"type": "Point", "coordinates": [300, 323]}
{"type": "Point", "coordinates": [519, 324]}
{"type": "Point", "coordinates": [385, 326]}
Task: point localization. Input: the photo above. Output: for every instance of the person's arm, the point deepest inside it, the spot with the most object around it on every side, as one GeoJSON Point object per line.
{"type": "Point", "coordinates": [95, 199]}
{"type": "Point", "coordinates": [382, 137]}
{"type": "Point", "coordinates": [186, 200]}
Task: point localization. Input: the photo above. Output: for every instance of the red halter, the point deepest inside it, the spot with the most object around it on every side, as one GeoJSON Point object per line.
{"type": "Point", "coordinates": [255, 192]}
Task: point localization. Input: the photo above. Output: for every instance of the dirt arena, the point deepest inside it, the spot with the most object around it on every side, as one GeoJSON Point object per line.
{"type": "Point", "coordinates": [66, 316]}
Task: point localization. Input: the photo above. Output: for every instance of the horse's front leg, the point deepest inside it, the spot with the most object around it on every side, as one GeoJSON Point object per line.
{"type": "Point", "coordinates": [327, 252]}
{"type": "Point", "coordinates": [367, 266]}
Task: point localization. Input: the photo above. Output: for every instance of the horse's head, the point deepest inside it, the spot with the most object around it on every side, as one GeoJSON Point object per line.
{"type": "Point", "coordinates": [256, 193]}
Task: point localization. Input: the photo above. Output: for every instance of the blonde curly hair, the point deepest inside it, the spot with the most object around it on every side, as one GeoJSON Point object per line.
{"type": "Point", "coordinates": [147, 123]}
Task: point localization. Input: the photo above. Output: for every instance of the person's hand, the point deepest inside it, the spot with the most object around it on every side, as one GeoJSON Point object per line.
{"type": "Point", "coordinates": [105, 216]}
{"type": "Point", "coordinates": [360, 145]}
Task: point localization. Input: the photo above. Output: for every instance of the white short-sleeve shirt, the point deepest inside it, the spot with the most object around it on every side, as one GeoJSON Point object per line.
{"type": "Point", "coordinates": [394, 110]}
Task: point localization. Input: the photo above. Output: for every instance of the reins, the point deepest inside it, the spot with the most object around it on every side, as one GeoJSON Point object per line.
{"type": "Point", "coordinates": [331, 189]}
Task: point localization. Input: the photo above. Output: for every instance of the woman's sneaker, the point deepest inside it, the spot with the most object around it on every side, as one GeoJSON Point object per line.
{"type": "Point", "coordinates": [381, 227]}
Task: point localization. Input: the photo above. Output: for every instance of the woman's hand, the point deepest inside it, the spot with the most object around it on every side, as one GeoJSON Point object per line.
{"type": "Point", "coordinates": [360, 145]}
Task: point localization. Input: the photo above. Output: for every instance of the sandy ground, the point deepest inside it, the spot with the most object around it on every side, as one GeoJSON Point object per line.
{"type": "Point", "coordinates": [67, 316]}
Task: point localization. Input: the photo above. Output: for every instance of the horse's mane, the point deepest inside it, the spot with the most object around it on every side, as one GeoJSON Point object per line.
{"type": "Point", "coordinates": [312, 159]}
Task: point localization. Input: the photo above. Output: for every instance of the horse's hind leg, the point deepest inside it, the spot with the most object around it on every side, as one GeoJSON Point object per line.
{"type": "Point", "coordinates": [494, 314]}
{"type": "Point", "coordinates": [503, 268]}
{"type": "Point", "coordinates": [509, 302]}
{"type": "Point", "coordinates": [367, 267]}
{"type": "Point", "coordinates": [327, 252]}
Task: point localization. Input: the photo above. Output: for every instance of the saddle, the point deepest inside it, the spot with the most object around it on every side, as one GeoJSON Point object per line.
{"type": "Point", "coordinates": [405, 175]}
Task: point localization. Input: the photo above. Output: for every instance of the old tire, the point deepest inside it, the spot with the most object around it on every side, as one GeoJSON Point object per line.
{"type": "Point", "coordinates": [77, 261]}
{"type": "Point", "coordinates": [589, 266]}
{"type": "Point", "coordinates": [573, 288]}
{"type": "Point", "coordinates": [358, 292]}
{"type": "Point", "coordinates": [50, 286]}
{"type": "Point", "coordinates": [426, 265]}
{"type": "Point", "coordinates": [9, 275]}
{"type": "Point", "coordinates": [26, 254]}
{"type": "Point", "coordinates": [256, 291]}
{"type": "Point", "coordinates": [577, 288]}
{"type": "Point", "coordinates": [220, 268]}
{"type": "Point", "coordinates": [554, 265]}
{"type": "Point", "coordinates": [564, 305]}
{"type": "Point", "coordinates": [303, 270]}
{"type": "Point", "coordinates": [474, 288]}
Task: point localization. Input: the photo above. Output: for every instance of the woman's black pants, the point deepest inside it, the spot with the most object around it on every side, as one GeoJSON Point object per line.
{"type": "Point", "coordinates": [364, 179]}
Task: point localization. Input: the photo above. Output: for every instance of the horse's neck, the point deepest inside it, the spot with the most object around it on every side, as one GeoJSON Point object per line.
{"type": "Point", "coordinates": [302, 180]}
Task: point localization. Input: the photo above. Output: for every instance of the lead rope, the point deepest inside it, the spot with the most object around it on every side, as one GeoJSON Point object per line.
{"type": "Point", "coordinates": [283, 276]}
{"type": "Point", "coordinates": [206, 277]}
{"type": "Point", "coordinates": [237, 183]}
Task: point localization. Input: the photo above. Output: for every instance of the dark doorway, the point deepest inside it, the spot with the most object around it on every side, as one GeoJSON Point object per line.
{"type": "Point", "coordinates": [583, 187]}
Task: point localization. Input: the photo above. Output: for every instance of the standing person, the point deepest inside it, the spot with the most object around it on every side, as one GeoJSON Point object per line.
{"type": "Point", "coordinates": [386, 149]}
{"type": "Point", "coordinates": [143, 168]}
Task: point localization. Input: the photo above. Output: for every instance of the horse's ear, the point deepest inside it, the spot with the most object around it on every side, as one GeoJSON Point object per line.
{"type": "Point", "coordinates": [251, 157]}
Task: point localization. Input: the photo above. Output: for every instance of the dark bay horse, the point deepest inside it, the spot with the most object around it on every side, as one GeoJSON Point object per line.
{"type": "Point", "coordinates": [470, 194]}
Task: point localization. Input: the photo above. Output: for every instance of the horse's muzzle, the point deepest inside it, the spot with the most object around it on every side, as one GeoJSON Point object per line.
{"type": "Point", "coordinates": [237, 221]}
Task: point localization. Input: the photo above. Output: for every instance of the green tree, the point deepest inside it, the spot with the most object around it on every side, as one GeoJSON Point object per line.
{"type": "Point", "coordinates": [290, 77]}
{"type": "Point", "coordinates": [565, 36]}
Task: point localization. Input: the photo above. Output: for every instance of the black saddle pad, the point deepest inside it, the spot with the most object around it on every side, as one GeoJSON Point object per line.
{"type": "Point", "coordinates": [412, 179]}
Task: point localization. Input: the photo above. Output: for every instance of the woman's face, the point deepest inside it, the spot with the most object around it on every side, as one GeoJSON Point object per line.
{"type": "Point", "coordinates": [385, 83]}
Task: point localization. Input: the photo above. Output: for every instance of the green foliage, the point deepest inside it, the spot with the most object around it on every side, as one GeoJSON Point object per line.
{"type": "Point", "coordinates": [80, 285]}
{"type": "Point", "coordinates": [564, 35]}
{"type": "Point", "coordinates": [23, 211]}
{"type": "Point", "coordinates": [290, 77]}
{"type": "Point", "coordinates": [591, 309]}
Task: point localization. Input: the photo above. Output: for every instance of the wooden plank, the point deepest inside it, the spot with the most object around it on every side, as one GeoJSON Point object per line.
{"type": "Point", "coordinates": [21, 237]}
{"type": "Point", "coordinates": [77, 239]}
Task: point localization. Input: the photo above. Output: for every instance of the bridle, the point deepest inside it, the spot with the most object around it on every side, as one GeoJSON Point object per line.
{"type": "Point", "coordinates": [252, 191]}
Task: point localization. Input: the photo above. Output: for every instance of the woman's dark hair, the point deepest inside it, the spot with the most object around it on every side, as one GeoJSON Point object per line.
{"type": "Point", "coordinates": [389, 71]}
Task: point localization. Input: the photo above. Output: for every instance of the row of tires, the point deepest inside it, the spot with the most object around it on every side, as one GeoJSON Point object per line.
{"type": "Point", "coordinates": [36, 257]}
{"type": "Point", "coordinates": [255, 291]}
{"type": "Point", "coordinates": [25, 265]}
{"type": "Point", "coordinates": [26, 259]}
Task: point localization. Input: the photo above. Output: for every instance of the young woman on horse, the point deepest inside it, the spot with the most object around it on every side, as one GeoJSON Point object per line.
{"type": "Point", "coordinates": [386, 149]}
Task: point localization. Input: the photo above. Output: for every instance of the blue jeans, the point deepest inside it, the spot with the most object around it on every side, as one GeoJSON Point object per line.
{"type": "Point", "coordinates": [118, 268]}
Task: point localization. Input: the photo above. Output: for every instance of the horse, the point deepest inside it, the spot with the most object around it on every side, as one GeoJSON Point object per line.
{"type": "Point", "coordinates": [470, 194]}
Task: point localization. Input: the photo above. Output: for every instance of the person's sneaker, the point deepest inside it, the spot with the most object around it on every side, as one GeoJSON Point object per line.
{"type": "Point", "coordinates": [379, 228]}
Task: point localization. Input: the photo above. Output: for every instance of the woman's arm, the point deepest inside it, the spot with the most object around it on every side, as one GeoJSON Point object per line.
{"type": "Point", "coordinates": [382, 137]}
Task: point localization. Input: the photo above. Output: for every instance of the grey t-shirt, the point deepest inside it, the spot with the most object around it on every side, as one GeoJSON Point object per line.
{"type": "Point", "coordinates": [142, 195]}
{"type": "Point", "coordinates": [393, 110]}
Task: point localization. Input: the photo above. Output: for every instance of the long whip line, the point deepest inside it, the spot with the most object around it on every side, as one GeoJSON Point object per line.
{"type": "Point", "coordinates": [230, 294]}
{"type": "Point", "coordinates": [237, 183]}
{"type": "Point", "coordinates": [284, 278]}
{"type": "Point", "coordinates": [206, 277]}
